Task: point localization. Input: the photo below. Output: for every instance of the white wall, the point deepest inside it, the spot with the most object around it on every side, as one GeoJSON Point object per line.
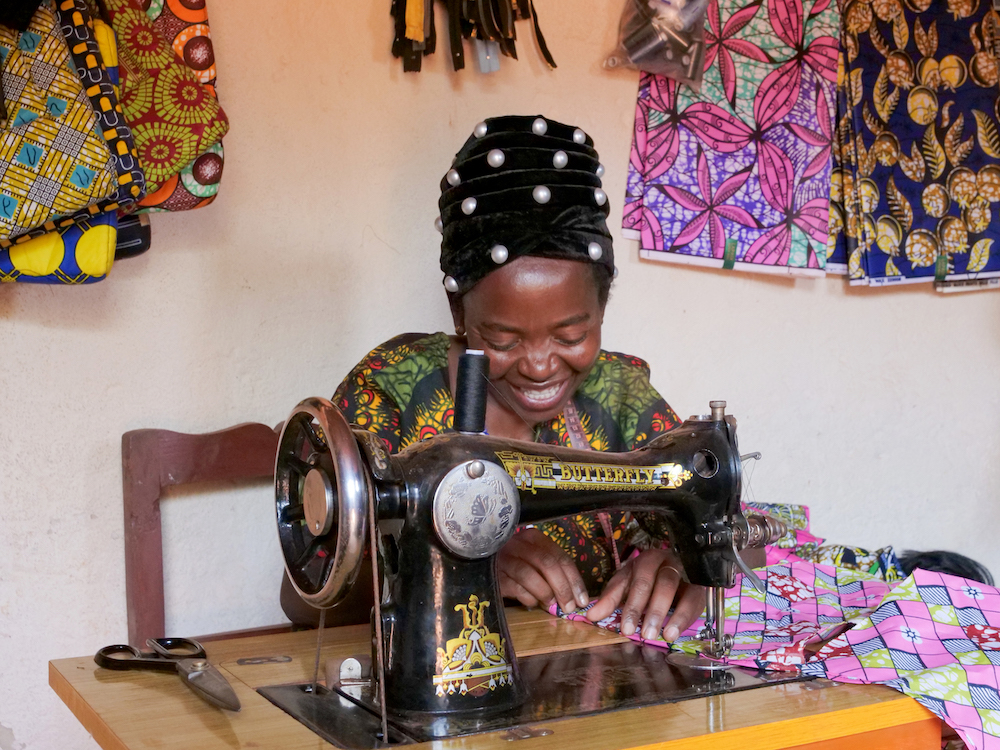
{"type": "Point", "coordinates": [876, 408]}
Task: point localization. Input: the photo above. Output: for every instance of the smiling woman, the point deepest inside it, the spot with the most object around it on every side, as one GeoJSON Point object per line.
{"type": "Point", "coordinates": [528, 265]}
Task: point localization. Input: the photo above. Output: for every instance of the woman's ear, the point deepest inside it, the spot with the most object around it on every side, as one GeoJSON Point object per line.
{"type": "Point", "coordinates": [457, 313]}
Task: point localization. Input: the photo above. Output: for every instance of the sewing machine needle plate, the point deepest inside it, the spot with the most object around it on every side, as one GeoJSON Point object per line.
{"type": "Point", "coordinates": [562, 684]}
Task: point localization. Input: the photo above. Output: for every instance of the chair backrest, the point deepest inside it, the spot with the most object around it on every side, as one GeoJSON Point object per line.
{"type": "Point", "coordinates": [153, 460]}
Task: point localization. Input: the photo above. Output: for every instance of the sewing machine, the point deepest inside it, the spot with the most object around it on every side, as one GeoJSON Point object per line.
{"type": "Point", "coordinates": [438, 513]}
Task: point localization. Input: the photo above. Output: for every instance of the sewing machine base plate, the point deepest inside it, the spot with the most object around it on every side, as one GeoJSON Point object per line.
{"type": "Point", "coordinates": [560, 684]}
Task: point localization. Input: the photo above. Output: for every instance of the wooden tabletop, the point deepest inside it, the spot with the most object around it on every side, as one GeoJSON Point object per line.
{"type": "Point", "coordinates": [138, 710]}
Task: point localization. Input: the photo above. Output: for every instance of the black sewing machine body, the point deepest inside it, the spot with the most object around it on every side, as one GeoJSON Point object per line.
{"type": "Point", "coordinates": [443, 597]}
{"type": "Point", "coordinates": [444, 507]}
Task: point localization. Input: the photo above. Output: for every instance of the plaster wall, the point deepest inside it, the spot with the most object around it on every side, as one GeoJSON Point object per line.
{"type": "Point", "coordinates": [878, 409]}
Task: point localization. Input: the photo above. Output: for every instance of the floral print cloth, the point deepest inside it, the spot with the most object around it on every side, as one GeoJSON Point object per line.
{"type": "Point", "coordinates": [401, 392]}
{"type": "Point", "coordinates": [174, 116]}
{"type": "Point", "coordinates": [184, 25]}
{"type": "Point", "coordinates": [917, 178]}
{"type": "Point", "coordinates": [738, 175]}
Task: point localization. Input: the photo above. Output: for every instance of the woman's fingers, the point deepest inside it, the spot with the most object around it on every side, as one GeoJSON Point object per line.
{"type": "Point", "coordinates": [665, 588]}
{"type": "Point", "coordinates": [511, 589]}
{"type": "Point", "coordinates": [686, 610]}
{"type": "Point", "coordinates": [645, 576]}
{"type": "Point", "coordinates": [612, 595]}
{"type": "Point", "coordinates": [647, 587]}
{"type": "Point", "coordinates": [537, 564]}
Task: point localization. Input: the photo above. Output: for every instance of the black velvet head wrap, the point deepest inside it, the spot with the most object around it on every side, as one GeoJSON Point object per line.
{"type": "Point", "coordinates": [522, 186]}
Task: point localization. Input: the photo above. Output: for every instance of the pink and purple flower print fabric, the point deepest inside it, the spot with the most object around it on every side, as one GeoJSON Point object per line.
{"type": "Point", "coordinates": [739, 173]}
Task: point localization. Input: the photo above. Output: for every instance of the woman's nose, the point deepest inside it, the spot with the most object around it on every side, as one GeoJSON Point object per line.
{"type": "Point", "coordinates": [539, 363]}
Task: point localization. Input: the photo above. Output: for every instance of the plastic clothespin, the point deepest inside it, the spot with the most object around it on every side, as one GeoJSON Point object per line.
{"type": "Point", "coordinates": [487, 55]}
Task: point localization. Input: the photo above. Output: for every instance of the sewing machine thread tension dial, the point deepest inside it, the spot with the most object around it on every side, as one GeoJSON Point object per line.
{"type": "Point", "coordinates": [476, 507]}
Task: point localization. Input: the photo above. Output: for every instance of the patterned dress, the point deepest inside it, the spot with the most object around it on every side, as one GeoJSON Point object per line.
{"type": "Point", "coordinates": [401, 392]}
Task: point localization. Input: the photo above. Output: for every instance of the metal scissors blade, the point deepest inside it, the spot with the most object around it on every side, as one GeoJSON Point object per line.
{"type": "Point", "coordinates": [208, 683]}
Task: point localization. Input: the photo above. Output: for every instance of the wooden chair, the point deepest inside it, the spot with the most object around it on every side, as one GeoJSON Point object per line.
{"type": "Point", "coordinates": [153, 460]}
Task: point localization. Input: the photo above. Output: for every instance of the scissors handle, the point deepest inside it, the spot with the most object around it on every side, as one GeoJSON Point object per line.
{"type": "Point", "coordinates": [132, 658]}
{"type": "Point", "coordinates": [177, 648]}
{"type": "Point", "coordinates": [164, 656]}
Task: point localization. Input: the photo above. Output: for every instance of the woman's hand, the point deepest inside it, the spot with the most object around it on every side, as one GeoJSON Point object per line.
{"type": "Point", "coordinates": [647, 586]}
{"type": "Point", "coordinates": [535, 571]}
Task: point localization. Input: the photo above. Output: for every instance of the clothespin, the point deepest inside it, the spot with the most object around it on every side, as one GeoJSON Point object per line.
{"type": "Point", "coordinates": [487, 55]}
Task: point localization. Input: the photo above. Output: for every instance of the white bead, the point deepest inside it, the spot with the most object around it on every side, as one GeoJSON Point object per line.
{"type": "Point", "coordinates": [539, 126]}
{"type": "Point", "coordinates": [541, 194]}
{"type": "Point", "coordinates": [579, 136]}
{"type": "Point", "coordinates": [600, 170]}
{"type": "Point", "coordinates": [454, 179]}
{"type": "Point", "coordinates": [615, 274]}
{"type": "Point", "coordinates": [600, 196]}
{"type": "Point", "coordinates": [439, 225]}
{"type": "Point", "coordinates": [468, 206]}
{"type": "Point", "coordinates": [595, 251]}
{"type": "Point", "coordinates": [450, 284]}
{"type": "Point", "coordinates": [495, 158]}
{"type": "Point", "coordinates": [480, 130]}
{"type": "Point", "coordinates": [560, 159]}
{"type": "Point", "coordinates": [499, 254]}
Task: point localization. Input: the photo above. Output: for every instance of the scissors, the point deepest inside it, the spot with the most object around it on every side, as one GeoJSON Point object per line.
{"type": "Point", "coordinates": [184, 656]}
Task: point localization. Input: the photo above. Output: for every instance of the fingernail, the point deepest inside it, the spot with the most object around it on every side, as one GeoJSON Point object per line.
{"type": "Point", "coordinates": [649, 632]}
{"type": "Point", "coordinates": [671, 634]}
{"type": "Point", "coordinates": [581, 598]}
{"type": "Point", "coordinates": [569, 608]}
{"type": "Point", "coordinates": [628, 625]}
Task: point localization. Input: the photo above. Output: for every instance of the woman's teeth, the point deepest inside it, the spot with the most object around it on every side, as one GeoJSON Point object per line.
{"type": "Point", "coordinates": [540, 396]}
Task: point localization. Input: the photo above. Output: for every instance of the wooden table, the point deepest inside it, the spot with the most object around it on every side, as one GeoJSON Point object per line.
{"type": "Point", "coordinates": [138, 710]}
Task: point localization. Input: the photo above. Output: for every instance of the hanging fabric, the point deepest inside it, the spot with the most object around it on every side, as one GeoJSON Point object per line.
{"type": "Point", "coordinates": [185, 27]}
{"type": "Point", "coordinates": [921, 144]}
{"type": "Point", "coordinates": [81, 253]}
{"type": "Point", "coordinates": [88, 58]}
{"type": "Point", "coordinates": [175, 118]}
{"type": "Point", "coordinates": [53, 158]}
{"type": "Point", "coordinates": [738, 175]}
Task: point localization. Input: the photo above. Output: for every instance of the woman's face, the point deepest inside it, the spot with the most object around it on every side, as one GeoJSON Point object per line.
{"type": "Point", "coordinates": [539, 320]}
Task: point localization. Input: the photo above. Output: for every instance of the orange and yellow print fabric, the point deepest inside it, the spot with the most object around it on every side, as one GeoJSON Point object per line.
{"type": "Point", "coordinates": [174, 116]}
{"type": "Point", "coordinates": [53, 160]}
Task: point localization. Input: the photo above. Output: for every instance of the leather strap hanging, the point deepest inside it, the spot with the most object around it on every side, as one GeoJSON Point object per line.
{"type": "Point", "coordinates": [487, 20]}
{"type": "Point", "coordinates": [455, 34]}
{"type": "Point", "coordinates": [539, 38]}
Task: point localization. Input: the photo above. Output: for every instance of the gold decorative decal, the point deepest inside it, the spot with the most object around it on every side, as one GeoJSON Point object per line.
{"type": "Point", "coordinates": [543, 472]}
{"type": "Point", "coordinates": [476, 661]}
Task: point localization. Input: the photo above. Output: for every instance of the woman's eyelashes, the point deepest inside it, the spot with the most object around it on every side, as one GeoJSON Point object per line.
{"type": "Point", "coordinates": [572, 340]}
{"type": "Point", "coordinates": [506, 345]}
{"type": "Point", "coordinates": [501, 346]}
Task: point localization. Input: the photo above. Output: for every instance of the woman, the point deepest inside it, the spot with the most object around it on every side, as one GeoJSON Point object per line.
{"type": "Point", "coordinates": [528, 265]}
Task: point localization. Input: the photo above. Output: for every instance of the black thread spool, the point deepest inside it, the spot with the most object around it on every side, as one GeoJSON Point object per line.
{"type": "Point", "coordinates": [470, 391]}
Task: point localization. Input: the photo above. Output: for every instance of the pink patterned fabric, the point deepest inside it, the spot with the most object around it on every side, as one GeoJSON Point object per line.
{"type": "Point", "coordinates": [932, 636]}
{"type": "Point", "coordinates": [805, 603]}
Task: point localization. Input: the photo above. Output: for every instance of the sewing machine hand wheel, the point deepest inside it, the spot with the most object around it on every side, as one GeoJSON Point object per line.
{"type": "Point", "coordinates": [322, 496]}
